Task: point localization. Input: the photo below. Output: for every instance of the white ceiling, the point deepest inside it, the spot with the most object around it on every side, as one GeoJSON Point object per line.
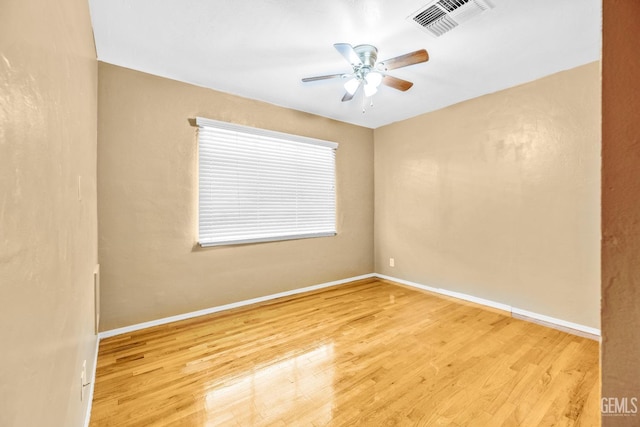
{"type": "Point", "coordinates": [260, 49]}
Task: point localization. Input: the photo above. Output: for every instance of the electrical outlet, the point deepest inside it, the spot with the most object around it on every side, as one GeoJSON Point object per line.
{"type": "Point", "coordinates": [392, 262]}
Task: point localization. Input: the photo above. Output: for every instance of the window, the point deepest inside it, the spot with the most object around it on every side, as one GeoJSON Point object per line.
{"type": "Point", "coordinates": [257, 185]}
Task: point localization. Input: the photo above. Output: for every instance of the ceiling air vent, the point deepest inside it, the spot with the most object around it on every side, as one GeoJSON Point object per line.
{"type": "Point", "coordinates": [442, 16]}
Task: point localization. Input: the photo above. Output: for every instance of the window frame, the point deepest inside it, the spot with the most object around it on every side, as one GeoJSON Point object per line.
{"type": "Point", "coordinates": [265, 137]}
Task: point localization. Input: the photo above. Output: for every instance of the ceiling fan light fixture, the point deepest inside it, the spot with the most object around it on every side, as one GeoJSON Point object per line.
{"type": "Point", "coordinates": [352, 85]}
{"type": "Point", "coordinates": [374, 79]}
{"type": "Point", "coordinates": [370, 90]}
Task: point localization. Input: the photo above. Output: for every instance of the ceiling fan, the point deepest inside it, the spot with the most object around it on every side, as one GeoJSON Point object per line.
{"type": "Point", "coordinates": [368, 73]}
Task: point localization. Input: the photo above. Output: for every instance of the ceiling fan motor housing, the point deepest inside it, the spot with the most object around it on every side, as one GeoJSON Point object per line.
{"type": "Point", "coordinates": [368, 54]}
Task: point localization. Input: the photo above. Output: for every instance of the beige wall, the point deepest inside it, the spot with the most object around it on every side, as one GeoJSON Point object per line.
{"type": "Point", "coordinates": [621, 205]}
{"type": "Point", "coordinates": [151, 267]}
{"type": "Point", "coordinates": [48, 238]}
{"type": "Point", "coordinates": [498, 197]}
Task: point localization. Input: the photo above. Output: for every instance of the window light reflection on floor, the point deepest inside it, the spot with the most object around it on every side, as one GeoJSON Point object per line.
{"type": "Point", "coordinates": [268, 393]}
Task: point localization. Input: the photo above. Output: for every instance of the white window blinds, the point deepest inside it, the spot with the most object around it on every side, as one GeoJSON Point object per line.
{"type": "Point", "coordinates": [257, 185]}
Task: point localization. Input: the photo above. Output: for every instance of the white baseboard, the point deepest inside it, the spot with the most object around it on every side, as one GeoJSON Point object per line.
{"type": "Point", "coordinates": [165, 320]}
{"type": "Point", "coordinates": [89, 395]}
{"type": "Point", "coordinates": [563, 325]}
{"type": "Point", "coordinates": [553, 322]}
{"type": "Point", "coordinates": [446, 292]}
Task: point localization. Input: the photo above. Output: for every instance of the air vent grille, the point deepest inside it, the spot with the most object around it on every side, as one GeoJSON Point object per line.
{"type": "Point", "coordinates": [451, 5]}
{"type": "Point", "coordinates": [443, 16]}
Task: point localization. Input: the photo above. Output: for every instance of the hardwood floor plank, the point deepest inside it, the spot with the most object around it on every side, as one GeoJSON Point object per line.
{"type": "Point", "coordinates": [366, 353]}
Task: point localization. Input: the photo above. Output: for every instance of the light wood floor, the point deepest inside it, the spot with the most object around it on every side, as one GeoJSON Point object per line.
{"type": "Point", "coordinates": [369, 353]}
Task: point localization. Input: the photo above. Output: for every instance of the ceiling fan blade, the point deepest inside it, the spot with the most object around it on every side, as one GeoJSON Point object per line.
{"type": "Point", "coordinates": [349, 54]}
{"type": "Point", "coordinates": [349, 96]}
{"type": "Point", "coordinates": [328, 76]}
{"type": "Point", "coordinates": [397, 83]}
{"type": "Point", "coordinates": [405, 60]}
